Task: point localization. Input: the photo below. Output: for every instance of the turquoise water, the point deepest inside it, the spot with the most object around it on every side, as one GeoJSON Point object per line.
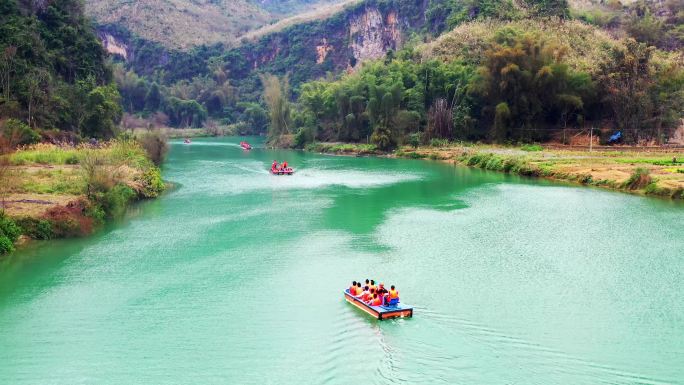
{"type": "Point", "coordinates": [236, 277]}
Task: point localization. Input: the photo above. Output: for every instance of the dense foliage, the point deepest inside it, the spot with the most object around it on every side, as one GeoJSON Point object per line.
{"type": "Point", "coordinates": [522, 90]}
{"type": "Point", "coordinates": [52, 69]}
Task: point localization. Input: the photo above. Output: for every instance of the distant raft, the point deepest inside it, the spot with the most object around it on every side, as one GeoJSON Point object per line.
{"type": "Point", "coordinates": [245, 145]}
{"type": "Point", "coordinates": [380, 312]}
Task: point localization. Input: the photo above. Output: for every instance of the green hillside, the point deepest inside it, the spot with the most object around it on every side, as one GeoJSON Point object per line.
{"type": "Point", "coordinates": [54, 71]}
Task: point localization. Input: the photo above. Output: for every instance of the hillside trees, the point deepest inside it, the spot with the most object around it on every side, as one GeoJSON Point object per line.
{"type": "Point", "coordinates": [47, 51]}
{"type": "Point", "coordinates": [526, 87]}
{"type": "Point", "coordinates": [644, 97]}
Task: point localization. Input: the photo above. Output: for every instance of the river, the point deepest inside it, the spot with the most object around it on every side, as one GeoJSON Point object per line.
{"type": "Point", "coordinates": [235, 276]}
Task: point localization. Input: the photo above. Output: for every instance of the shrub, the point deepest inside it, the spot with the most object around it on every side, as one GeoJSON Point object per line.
{"type": "Point", "coordinates": [532, 147]}
{"type": "Point", "coordinates": [9, 228]}
{"type": "Point", "coordinates": [415, 139]}
{"type": "Point", "coordinates": [18, 132]}
{"type": "Point", "coordinates": [70, 220]}
{"type": "Point", "coordinates": [303, 137]}
{"type": "Point", "coordinates": [36, 228]}
{"type": "Point", "coordinates": [155, 144]}
{"type": "Point", "coordinates": [114, 201]}
{"type": "Point", "coordinates": [6, 246]}
{"type": "Point", "coordinates": [639, 179]}
{"type": "Point", "coordinates": [9, 233]}
{"type": "Point", "coordinates": [151, 182]}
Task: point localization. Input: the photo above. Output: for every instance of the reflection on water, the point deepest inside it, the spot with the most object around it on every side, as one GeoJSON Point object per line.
{"type": "Point", "coordinates": [235, 276]}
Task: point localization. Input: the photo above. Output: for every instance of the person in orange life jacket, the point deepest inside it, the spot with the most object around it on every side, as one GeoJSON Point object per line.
{"type": "Point", "coordinates": [359, 290]}
{"type": "Point", "coordinates": [372, 284]}
{"type": "Point", "coordinates": [393, 293]}
{"type": "Point", "coordinates": [352, 288]}
{"type": "Point", "coordinates": [284, 166]}
{"type": "Point", "coordinates": [377, 301]}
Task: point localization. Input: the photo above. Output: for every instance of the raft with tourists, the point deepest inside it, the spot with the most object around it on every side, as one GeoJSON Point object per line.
{"type": "Point", "coordinates": [245, 146]}
{"type": "Point", "coordinates": [281, 169]}
{"type": "Point", "coordinates": [377, 301]}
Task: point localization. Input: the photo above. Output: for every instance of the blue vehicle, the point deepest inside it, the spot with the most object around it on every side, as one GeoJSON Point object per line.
{"type": "Point", "coordinates": [615, 138]}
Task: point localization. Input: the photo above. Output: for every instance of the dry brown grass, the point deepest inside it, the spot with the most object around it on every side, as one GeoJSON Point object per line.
{"type": "Point", "coordinates": [34, 205]}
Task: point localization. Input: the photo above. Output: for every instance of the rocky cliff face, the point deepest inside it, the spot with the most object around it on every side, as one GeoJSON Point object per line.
{"type": "Point", "coordinates": [372, 34]}
{"type": "Point", "coordinates": [361, 33]}
{"type": "Point", "coordinates": [114, 46]}
{"type": "Point", "coordinates": [307, 50]}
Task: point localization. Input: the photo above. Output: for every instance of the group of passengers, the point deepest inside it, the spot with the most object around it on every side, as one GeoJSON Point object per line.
{"type": "Point", "coordinates": [374, 295]}
{"type": "Point", "coordinates": [276, 167]}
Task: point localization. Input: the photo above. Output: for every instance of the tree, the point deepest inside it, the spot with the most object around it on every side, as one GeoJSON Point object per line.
{"type": "Point", "coordinates": [35, 83]}
{"type": "Point", "coordinates": [153, 99]}
{"type": "Point", "coordinates": [440, 120]}
{"type": "Point", "coordinates": [7, 67]}
{"type": "Point", "coordinates": [103, 112]}
{"type": "Point", "coordinates": [626, 80]}
{"type": "Point", "coordinates": [276, 95]}
{"type": "Point", "coordinates": [525, 86]}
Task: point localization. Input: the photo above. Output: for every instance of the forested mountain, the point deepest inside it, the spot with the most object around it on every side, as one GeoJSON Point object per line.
{"type": "Point", "coordinates": [183, 24]}
{"type": "Point", "coordinates": [587, 68]}
{"type": "Point", "coordinates": [53, 71]}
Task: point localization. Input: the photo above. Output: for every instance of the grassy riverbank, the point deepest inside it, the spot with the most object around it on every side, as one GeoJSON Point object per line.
{"type": "Point", "coordinates": [642, 171]}
{"type": "Point", "coordinates": [54, 191]}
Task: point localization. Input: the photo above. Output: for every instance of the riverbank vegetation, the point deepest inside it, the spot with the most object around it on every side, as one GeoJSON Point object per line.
{"type": "Point", "coordinates": [53, 191]}
{"type": "Point", "coordinates": [649, 172]}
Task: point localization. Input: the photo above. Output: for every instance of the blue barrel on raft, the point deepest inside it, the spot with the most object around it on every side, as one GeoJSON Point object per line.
{"type": "Point", "coordinates": [380, 312]}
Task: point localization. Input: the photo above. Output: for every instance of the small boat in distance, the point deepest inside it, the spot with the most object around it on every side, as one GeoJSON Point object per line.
{"type": "Point", "coordinates": [380, 312]}
{"type": "Point", "coordinates": [245, 145]}
{"type": "Point", "coordinates": [187, 141]}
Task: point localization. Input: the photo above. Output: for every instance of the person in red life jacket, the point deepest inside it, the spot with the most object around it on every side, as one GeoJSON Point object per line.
{"type": "Point", "coordinates": [382, 292]}
{"type": "Point", "coordinates": [274, 166]}
{"type": "Point", "coordinates": [284, 165]}
{"type": "Point", "coordinates": [377, 301]}
{"type": "Point", "coordinates": [365, 294]}
{"type": "Point", "coordinates": [371, 293]}
{"type": "Point", "coordinates": [352, 288]}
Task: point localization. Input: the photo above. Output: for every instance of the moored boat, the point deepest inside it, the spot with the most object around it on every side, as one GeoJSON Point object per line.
{"type": "Point", "coordinates": [380, 312]}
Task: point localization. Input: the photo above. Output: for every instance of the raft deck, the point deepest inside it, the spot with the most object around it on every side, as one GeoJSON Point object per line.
{"type": "Point", "coordinates": [380, 312]}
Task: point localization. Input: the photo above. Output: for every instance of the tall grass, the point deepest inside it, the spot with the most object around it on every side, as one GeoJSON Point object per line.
{"type": "Point", "coordinates": [640, 179]}
{"type": "Point", "coordinates": [43, 153]}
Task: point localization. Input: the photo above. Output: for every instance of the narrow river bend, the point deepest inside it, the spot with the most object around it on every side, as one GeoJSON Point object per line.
{"type": "Point", "coordinates": [236, 277]}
